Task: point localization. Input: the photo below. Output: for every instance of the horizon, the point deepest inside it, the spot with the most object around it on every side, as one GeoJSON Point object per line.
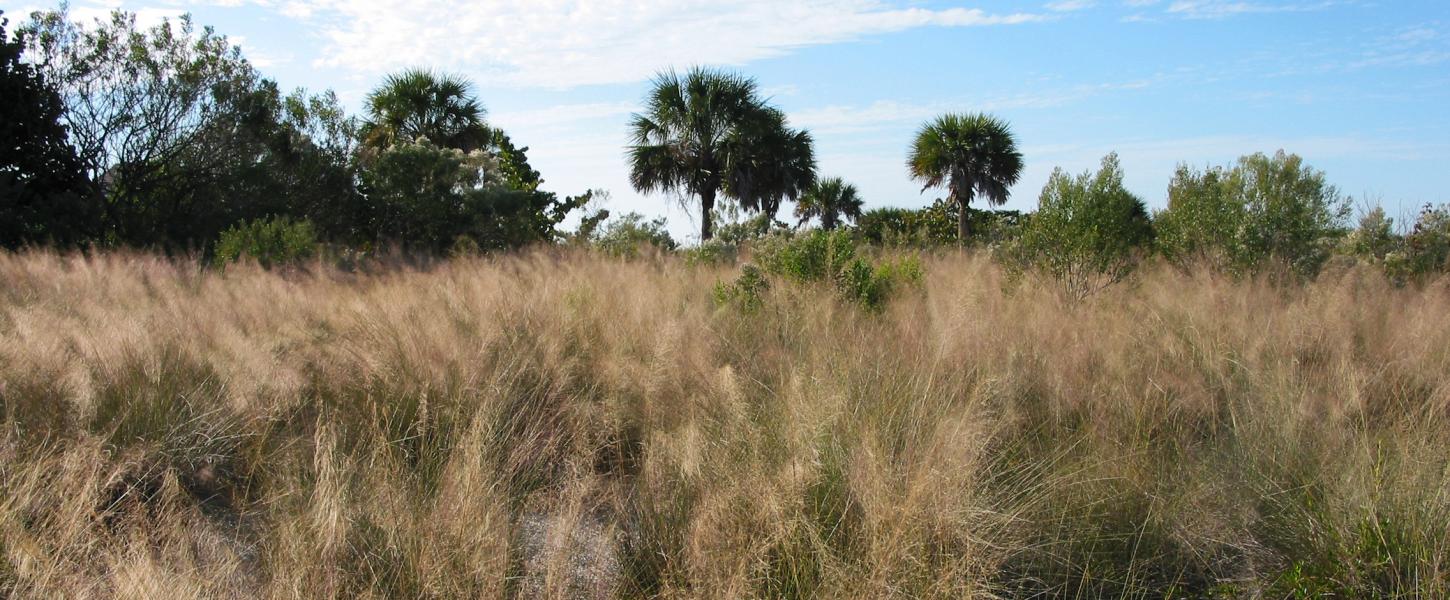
{"type": "Point", "coordinates": [1357, 88]}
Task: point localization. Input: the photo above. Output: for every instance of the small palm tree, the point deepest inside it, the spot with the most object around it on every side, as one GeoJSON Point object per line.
{"type": "Point", "coordinates": [973, 154]}
{"type": "Point", "coordinates": [829, 200]}
{"type": "Point", "coordinates": [709, 132]}
{"type": "Point", "coordinates": [421, 103]}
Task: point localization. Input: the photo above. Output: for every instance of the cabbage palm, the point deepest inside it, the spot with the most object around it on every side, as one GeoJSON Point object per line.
{"type": "Point", "coordinates": [767, 162]}
{"type": "Point", "coordinates": [421, 103]}
{"type": "Point", "coordinates": [829, 200]}
{"type": "Point", "coordinates": [709, 132]}
{"type": "Point", "coordinates": [972, 154]}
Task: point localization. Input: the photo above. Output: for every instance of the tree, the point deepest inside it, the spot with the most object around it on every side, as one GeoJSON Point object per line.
{"type": "Point", "coordinates": [1263, 210]}
{"type": "Point", "coordinates": [182, 137]}
{"type": "Point", "coordinates": [972, 154]}
{"type": "Point", "coordinates": [829, 200]}
{"type": "Point", "coordinates": [421, 103]}
{"type": "Point", "coordinates": [709, 132]}
{"type": "Point", "coordinates": [44, 197]}
{"type": "Point", "coordinates": [768, 161]}
{"type": "Point", "coordinates": [429, 198]}
{"type": "Point", "coordinates": [1088, 232]}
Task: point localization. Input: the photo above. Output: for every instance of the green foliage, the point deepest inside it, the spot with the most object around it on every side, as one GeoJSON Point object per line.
{"type": "Point", "coordinates": [418, 103]}
{"type": "Point", "coordinates": [627, 235]}
{"type": "Point", "coordinates": [1425, 251]}
{"type": "Point", "coordinates": [425, 197]}
{"type": "Point", "coordinates": [813, 256]}
{"type": "Point", "coordinates": [184, 137]}
{"type": "Point", "coordinates": [270, 242]}
{"type": "Point", "coordinates": [1088, 233]}
{"type": "Point", "coordinates": [747, 291]}
{"type": "Point", "coordinates": [1265, 210]}
{"type": "Point", "coordinates": [972, 155]}
{"type": "Point", "coordinates": [44, 197]}
{"type": "Point", "coordinates": [935, 226]}
{"type": "Point", "coordinates": [829, 200]}
{"type": "Point", "coordinates": [713, 252]}
{"type": "Point", "coordinates": [1375, 237]}
{"type": "Point", "coordinates": [830, 257]}
{"type": "Point", "coordinates": [709, 132]}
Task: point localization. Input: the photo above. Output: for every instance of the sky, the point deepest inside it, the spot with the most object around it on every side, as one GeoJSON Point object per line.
{"type": "Point", "coordinates": [1360, 89]}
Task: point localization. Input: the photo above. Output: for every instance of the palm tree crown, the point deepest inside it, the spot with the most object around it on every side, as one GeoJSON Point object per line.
{"type": "Point", "coordinates": [709, 132]}
{"type": "Point", "coordinates": [421, 103]}
{"type": "Point", "coordinates": [972, 154]}
{"type": "Point", "coordinates": [829, 200]}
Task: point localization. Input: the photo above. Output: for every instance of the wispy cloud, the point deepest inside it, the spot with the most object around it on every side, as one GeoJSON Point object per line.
{"type": "Point", "coordinates": [1070, 5]}
{"type": "Point", "coordinates": [562, 115]}
{"type": "Point", "coordinates": [836, 119]}
{"type": "Point", "coordinates": [530, 43]}
{"type": "Point", "coordinates": [1220, 9]}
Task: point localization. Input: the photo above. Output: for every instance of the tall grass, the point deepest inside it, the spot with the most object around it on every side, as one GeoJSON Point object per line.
{"type": "Point", "coordinates": [575, 426]}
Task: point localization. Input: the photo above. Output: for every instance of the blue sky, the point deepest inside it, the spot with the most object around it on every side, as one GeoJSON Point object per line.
{"type": "Point", "coordinates": [1359, 88]}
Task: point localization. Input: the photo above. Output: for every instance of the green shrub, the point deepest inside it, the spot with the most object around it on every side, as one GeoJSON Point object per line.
{"type": "Point", "coordinates": [1265, 210]}
{"type": "Point", "coordinates": [747, 291]}
{"type": "Point", "coordinates": [1088, 233]}
{"type": "Point", "coordinates": [935, 226]}
{"type": "Point", "coordinates": [1425, 251]}
{"type": "Point", "coordinates": [712, 252]}
{"type": "Point", "coordinates": [625, 236]}
{"type": "Point", "coordinates": [270, 242]}
{"type": "Point", "coordinates": [830, 257]}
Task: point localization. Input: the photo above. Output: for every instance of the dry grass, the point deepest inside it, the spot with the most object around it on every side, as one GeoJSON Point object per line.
{"type": "Point", "coordinates": [171, 432]}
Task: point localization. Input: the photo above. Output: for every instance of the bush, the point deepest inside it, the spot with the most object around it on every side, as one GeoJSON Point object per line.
{"type": "Point", "coordinates": [1425, 251]}
{"type": "Point", "coordinates": [747, 291]}
{"type": "Point", "coordinates": [1089, 231]}
{"type": "Point", "coordinates": [624, 237]}
{"type": "Point", "coordinates": [1265, 210]}
{"type": "Point", "coordinates": [424, 197]}
{"type": "Point", "coordinates": [712, 252]}
{"type": "Point", "coordinates": [830, 257]}
{"type": "Point", "coordinates": [935, 226]}
{"type": "Point", "coordinates": [270, 242]}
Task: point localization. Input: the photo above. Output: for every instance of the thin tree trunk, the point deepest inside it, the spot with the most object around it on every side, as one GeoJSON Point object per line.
{"type": "Point", "coordinates": [707, 209]}
{"type": "Point", "coordinates": [963, 228]}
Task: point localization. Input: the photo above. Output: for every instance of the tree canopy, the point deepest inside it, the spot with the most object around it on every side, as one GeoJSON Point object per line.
{"type": "Point", "coordinates": [972, 155]}
{"type": "Point", "coordinates": [709, 132]}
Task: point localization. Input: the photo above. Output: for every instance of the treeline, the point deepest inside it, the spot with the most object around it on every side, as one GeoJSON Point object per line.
{"type": "Point", "coordinates": [168, 138]}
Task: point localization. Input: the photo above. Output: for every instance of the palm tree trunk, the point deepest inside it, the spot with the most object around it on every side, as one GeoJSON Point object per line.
{"type": "Point", "coordinates": [963, 227]}
{"type": "Point", "coordinates": [707, 210]}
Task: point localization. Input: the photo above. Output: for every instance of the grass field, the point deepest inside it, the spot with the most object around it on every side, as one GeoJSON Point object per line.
{"type": "Point", "coordinates": [566, 425]}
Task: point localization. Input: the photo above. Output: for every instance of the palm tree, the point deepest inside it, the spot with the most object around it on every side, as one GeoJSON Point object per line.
{"type": "Point", "coordinates": [829, 200]}
{"type": "Point", "coordinates": [767, 162]}
{"type": "Point", "coordinates": [973, 154]}
{"type": "Point", "coordinates": [421, 103]}
{"type": "Point", "coordinates": [708, 133]}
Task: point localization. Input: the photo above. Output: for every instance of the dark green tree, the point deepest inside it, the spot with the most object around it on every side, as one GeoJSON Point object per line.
{"type": "Point", "coordinates": [183, 138]}
{"type": "Point", "coordinates": [829, 200]}
{"type": "Point", "coordinates": [767, 162]}
{"type": "Point", "coordinates": [709, 132]}
{"type": "Point", "coordinates": [421, 103]}
{"type": "Point", "coordinates": [44, 196]}
{"type": "Point", "coordinates": [972, 155]}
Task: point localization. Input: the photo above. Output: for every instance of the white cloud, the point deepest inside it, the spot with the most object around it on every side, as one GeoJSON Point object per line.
{"type": "Point", "coordinates": [567, 43]}
{"type": "Point", "coordinates": [890, 113]}
{"type": "Point", "coordinates": [1416, 46]}
{"type": "Point", "coordinates": [1219, 9]}
{"type": "Point", "coordinates": [561, 115]}
{"type": "Point", "coordinates": [1070, 5]}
